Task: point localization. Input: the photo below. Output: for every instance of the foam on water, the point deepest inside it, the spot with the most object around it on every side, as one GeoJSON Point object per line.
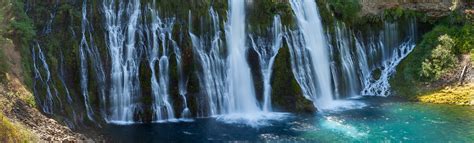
{"type": "Point", "coordinates": [255, 119]}
{"type": "Point", "coordinates": [338, 125]}
{"type": "Point", "coordinates": [342, 105]}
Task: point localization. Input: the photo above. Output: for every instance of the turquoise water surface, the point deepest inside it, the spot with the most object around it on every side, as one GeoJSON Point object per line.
{"type": "Point", "coordinates": [375, 122]}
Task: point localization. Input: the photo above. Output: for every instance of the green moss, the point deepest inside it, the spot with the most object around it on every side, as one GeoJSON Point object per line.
{"type": "Point", "coordinates": [286, 92]}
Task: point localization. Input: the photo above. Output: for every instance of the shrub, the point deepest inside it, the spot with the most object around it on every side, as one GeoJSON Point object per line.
{"type": "Point", "coordinates": [465, 39]}
{"type": "Point", "coordinates": [441, 60]}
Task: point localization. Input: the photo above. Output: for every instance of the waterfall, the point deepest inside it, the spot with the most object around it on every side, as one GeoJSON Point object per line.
{"type": "Point", "coordinates": [390, 52]}
{"type": "Point", "coordinates": [241, 88]}
{"type": "Point", "coordinates": [61, 78]}
{"type": "Point", "coordinates": [267, 49]}
{"type": "Point", "coordinates": [361, 56]}
{"type": "Point", "coordinates": [68, 94]}
{"type": "Point", "coordinates": [48, 28]}
{"type": "Point", "coordinates": [43, 81]}
{"type": "Point", "coordinates": [182, 81]}
{"type": "Point", "coordinates": [309, 50]}
{"type": "Point", "coordinates": [83, 47]}
{"type": "Point", "coordinates": [328, 67]}
{"type": "Point", "coordinates": [88, 51]}
{"type": "Point", "coordinates": [121, 22]}
{"type": "Point", "coordinates": [212, 70]}
{"type": "Point", "coordinates": [159, 35]}
{"type": "Point", "coordinates": [348, 67]}
{"type": "Point", "coordinates": [99, 73]}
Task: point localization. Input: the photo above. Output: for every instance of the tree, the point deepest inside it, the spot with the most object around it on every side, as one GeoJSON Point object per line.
{"type": "Point", "coordinates": [441, 60]}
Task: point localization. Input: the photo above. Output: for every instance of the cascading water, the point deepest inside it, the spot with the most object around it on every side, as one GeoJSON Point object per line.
{"type": "Point", "coordinates": [326, 73]}
{"type": "Point", "coordinates": [224, 77]}
{"type": "Point", "coordinates": [348, 67]}
{"type": "Point", "coordinates": [43, 81]}
{"type": "Point", "coordinates": [212, 73]}
{"type": "Point", "coordinates": [182, 81]}
{"type": "Point", "coordinates": [88, 51]}
{"type": "Point", "coordinates": [48, 28]}
{"type": "Point", "coordinates": [159, 35]}
{"type": "Point", "coordinates": [69, 99]}
{"type": "Point", "coordinates": [83, 64]}
{"type": "Point", "coordinates": [309, 52]}
{"type": "Point", "coordinates": [121, 22]}
{"type": "Point", "coordinates": [61, 78]}
{"type": "Point", "coordinates": [389, 51]}
{"type": "Point", "coordinates": [312, 69]}
{"type": "Point", "coordinates": [301, 64]}
{"type": "Point", "coordinates": [374, 52]}
{"type": "Point", "coordinates": [99, 74]}
{"type": "Point", "coordinates": [267, 49]}
{"type": "Point", "coordinates": [241, 88]}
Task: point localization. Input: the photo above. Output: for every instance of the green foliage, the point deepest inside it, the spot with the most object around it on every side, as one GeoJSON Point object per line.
{"type": "Point", "coordinates": [422, 62]}
{"type": "Point", "coordinates": [465, 39]}
{"type": "Point", "coordinates": [441, 60]}
{"type": "Point", "coordinates": [462, 39]}
{"type": "Point", "coordinates": [23, 32]}
{"type": "Point", "coordinates": [22, 25]}
{"type": "Point", "coordinates": [345, 10]}
{"type": "Point", "coordinates": [398, 13]}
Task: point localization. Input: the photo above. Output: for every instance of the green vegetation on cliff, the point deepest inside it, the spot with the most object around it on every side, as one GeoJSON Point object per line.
{"type": "Point", "coordinates": [435, 55]}
{"type": "Point", "coordinates": [21, 30]}
{"type": "Point", "coordinates": [345, 10]}
{"type": "Point", "coordinates": [9, 131]}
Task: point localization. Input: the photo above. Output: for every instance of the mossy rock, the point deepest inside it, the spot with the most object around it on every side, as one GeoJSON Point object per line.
{"type": "Point", "coordinates": [286, 92]}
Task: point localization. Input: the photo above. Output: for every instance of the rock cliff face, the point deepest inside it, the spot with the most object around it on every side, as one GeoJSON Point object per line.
{"type": "Point", "coordinates": [17, 104]}
{"type": "Point", "coordinates": [434, 8]}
